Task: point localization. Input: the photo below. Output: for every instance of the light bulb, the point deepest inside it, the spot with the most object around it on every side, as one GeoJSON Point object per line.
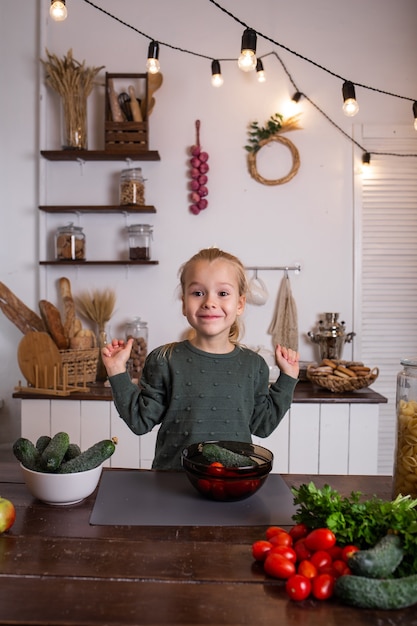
{"type": "Point", "coordinates": [247, 59]}
{"type": "Point", "coordinates": [366, 162]}
{"type": "Point", "coordinates": [350, 106]}
{"type": "Point", "coordinates": [260, 72]}
{"type": "Point", "coordinates": [415, 114]}
{"type": "Point", "coordinates": [58, 10]}
{"type": "Point", "coordinates": [152, 64]}
{"type": "Point", "coordinates": [216, 75]}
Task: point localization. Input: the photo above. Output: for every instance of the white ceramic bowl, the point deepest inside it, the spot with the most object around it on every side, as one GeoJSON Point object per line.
{"type": "Point", "coordinates": [61, 489]}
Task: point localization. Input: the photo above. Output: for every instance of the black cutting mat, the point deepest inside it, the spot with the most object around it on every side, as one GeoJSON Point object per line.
{"type": "Point", "coordinates": [149, 498]}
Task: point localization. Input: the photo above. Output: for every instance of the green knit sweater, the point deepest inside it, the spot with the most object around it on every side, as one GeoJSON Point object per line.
{"type": "Point", "coordinates": [198, 396]}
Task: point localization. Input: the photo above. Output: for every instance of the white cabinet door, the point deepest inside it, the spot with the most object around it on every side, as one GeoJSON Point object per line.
{"type": "Point", "coordinates": [127, 453]}
{"type": "Point", "coordinates": [363, 439]}
{"type": "Point", "coordinates": [277, 442]}
{"type": "Point", "coordinates": [334, 439]}
{"type": "Point", "coordinates": [35, 418]}
{"type": "Point", "coordinates": [304, 439]}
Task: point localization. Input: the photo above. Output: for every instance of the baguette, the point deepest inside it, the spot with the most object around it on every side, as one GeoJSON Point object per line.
{"type": "Point", "coordinates": [18, 313]}
{"type": "Point", "coordinates": [53, 322]}
{"type": "Point", "coordinates": [69, 307]}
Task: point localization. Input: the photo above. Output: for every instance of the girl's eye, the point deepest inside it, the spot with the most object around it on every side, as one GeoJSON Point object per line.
{"type": "Point", "coordinates": [224, 293]}
{"type": "Point", "coordinates": [197, 293]}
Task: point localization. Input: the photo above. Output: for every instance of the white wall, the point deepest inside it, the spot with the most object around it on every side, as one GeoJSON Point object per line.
{"type": "Point", "coordinates": [308, 220]}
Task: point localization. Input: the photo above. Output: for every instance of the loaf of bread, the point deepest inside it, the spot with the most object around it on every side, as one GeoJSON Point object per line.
{"type": "Point", "coordinates": [68, 307]}
{"type": "Point", "coordinates": [53, 323]}
{"type": "Point", "coordinates": [18, 313]}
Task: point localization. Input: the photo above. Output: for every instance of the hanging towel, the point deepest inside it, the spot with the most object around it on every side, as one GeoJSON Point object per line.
{"type": "Point", "coordinates": [284, 325]}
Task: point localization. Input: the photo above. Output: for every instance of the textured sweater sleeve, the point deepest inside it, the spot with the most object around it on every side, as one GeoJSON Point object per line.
{"type": "Point", "coordinates": [142, 407]}
{"type": "Point", "coordinates": [272, 406]}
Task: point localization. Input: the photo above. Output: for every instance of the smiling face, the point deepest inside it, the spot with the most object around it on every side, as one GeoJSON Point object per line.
{"type": "Point", "coordinates": [211, 301]}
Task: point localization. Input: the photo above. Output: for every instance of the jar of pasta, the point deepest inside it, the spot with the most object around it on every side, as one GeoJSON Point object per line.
{"type": "Point", "coordinates": [132, 187]}
{"type": "Point", "coordinates": [405, 456]}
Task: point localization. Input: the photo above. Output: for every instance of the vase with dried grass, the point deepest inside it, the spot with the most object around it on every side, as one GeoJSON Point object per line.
{"type": "Point", "coordinates": [73, 81]}
{"type": "Point", "coordinates": [98, 307]}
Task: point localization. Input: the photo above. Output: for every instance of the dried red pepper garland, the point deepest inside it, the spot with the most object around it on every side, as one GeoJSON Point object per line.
{"type": "Point", "coordinates": [198, 174]}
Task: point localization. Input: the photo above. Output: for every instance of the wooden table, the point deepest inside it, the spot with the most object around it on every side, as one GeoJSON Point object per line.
{"type": "Point", "coordinates": [57, 569]}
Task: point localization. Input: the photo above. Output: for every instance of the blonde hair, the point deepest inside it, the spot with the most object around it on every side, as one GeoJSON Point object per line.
{"type": "Point", "coordinates": [214, 254]}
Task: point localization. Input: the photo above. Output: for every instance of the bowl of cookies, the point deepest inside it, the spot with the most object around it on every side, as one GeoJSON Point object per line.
{"type": "Point", "coordinates": [341, 376]}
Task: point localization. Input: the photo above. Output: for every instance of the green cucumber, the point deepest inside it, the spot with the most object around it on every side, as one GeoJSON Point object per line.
{"type": "Point", "coordinates": [90, 458]}
{"type": "Point", "coordinates": [377, 593]}
{"type": "Point", "coordinates": [214, 453]}
{"type": "Point", "coordinates": [42, 442]}
{"type": "Point", "coordinates": [27, 454]}
{"type": "Point", "coordinates": [73, 451]}
{"type": "Point", "coordinates": [55, 451]}
{"type": "Point", "coordinates": [380, 561]}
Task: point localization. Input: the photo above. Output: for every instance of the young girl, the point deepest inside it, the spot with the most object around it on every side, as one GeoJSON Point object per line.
{"type": "Point", "coordinates": [207, 387]}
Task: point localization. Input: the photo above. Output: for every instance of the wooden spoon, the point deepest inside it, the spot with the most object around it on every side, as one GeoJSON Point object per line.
{"type": "Point", "coordinates": [39, 360]}
{"type": "Point", "coordinates": [154, 83]}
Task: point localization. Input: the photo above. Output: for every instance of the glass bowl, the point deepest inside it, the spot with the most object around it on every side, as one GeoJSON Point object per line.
{"type": "Point", "coordinates": [216, 481]}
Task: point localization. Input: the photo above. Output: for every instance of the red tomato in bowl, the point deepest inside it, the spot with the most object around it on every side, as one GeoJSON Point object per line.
{"type": "Point", "coordinates": [215, 469]}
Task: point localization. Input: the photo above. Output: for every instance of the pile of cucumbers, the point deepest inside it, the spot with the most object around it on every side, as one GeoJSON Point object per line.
{"type": "Point", "coordinates": [59, 456]}
{"type": "Point", "coordinates": [370, 586]}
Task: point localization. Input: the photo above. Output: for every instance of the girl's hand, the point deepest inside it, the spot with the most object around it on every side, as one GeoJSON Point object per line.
{"type": "Point", "coordinates": [115, 355]}
{"type": "Point", "coordinates": [288, 361]}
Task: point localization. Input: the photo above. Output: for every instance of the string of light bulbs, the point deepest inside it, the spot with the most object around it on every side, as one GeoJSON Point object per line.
{"type": "Point", "coordinates": [248, 61]}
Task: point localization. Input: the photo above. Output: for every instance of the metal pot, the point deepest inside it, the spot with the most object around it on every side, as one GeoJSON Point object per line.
{"type": "Point", "coordinates": [331, 337]}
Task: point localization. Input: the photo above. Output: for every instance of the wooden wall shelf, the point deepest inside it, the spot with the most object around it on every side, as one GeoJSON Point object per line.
{"type": "Point", "coordinates": [122, 262]}
{"type": "Point", "coordinates": [128, 208]}
{"type": "Point", "coordinates": [99, 155]}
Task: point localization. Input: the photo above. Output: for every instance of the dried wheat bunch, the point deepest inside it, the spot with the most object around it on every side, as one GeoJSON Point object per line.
{"type": "Point", "coordinates": [67, 75]}
{"type": "Point", "coordinates": [97, 306]}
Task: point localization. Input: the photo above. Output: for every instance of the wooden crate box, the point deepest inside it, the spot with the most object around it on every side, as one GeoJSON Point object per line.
{"type": "Point", "coordinates": [126, 136]}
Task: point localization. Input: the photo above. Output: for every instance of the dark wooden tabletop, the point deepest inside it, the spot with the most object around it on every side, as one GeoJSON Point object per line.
{"type": "Point", "coordinates": [57, 569]}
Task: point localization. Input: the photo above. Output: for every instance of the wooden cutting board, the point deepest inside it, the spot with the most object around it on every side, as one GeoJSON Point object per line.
{"type": "Point", "coordinates": [39, 360]}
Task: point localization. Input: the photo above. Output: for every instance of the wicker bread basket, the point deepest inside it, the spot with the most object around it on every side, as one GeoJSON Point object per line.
{"type": "Point", "coordinates": [81, 365]}
{"type": "Point", "coordinates": [340, 385]}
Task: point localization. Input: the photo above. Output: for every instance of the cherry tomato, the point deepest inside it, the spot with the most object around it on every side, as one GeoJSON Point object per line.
{"type": "Point", "coordinates": [307, 569]}
{"type": "Point", "coordinates": [340, 568]}
{"type": "Point", "coordinates": [204, 485]}
{"type": "Point", "coordinates": [215, 469]}
{"type": "Point", "coordinates": [218, 489]}
{"type": "Point", "coordinates": [298, 531]}
{"type": "Point", "coordinates": [286, 551]}
{"type": "Point", "coordinates": [298, 587]}
{"type": "Point", "coordinates": [348, 551]}
{"type": "Point", "coordinates": [281, 539]}
{"type": "Point", "coordinates": [301, 550]}
{"type": "Point", "coordinates": [321, 559]}
{"type": "Point", "coordinates": [320, 539]}
{"type": "Point", "coordinates": [278, 566]}
{"type": "Point", "coordinates": [273, 530]}
{"type": "Point", "coordinates": [322, 586]}
{"type": "Point", "coordinates": [260, 549]}
{"type": "Point", "coordinates": [335, 552]}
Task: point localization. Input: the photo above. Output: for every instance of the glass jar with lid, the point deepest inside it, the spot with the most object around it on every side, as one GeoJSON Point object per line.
{"type": "Point", "coordinates": [132, 187]}
{"type": "Point", "coordinates": [137, 329]}
{"type": "Point", "coordinates": [140, 236]}
{"type": "Point", "coordinates": [405, 456]}
{"type": "Point", "coordinates": [70, 243]}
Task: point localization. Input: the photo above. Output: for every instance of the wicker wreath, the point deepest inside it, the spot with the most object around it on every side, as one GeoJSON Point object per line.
{"type": "Point", "coordinates": [278, 181]}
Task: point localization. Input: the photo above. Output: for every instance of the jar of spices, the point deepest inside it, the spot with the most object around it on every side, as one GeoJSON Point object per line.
{"type": "Point", "coordinates": [70, 243]}
{"type": "Point", "coordinates": [140, 236]}
{"type": "Point", "coordinates": [405, 457]}
{"type": "Point", "coordinates": [132, 187]}
{"type": "Point", "coordinates": [138, 330]}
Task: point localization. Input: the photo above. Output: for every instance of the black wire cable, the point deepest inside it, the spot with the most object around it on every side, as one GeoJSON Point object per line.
{"type": "Point", "coordinates": [236, 19]}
